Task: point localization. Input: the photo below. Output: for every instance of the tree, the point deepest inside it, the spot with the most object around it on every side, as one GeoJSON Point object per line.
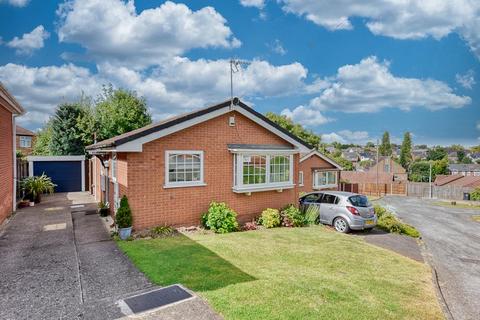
{"type": "Point", "coordinates": [119, 111]}
{"type": "Point", "coordinates": [370, 145]}
{"type": "Point", "coordinates": [436, 153]}
{"type": "Point", "coordinates": [41, 147]}
{"type": "Point", "coordinates": [406, 150]}
{"type": "Point", "coordinates": [420, 170]}
{"type": "Point", "coordinates": [385, 148]}
{"type": "Point", "coordinates": [65, 139]}
{"type": "Point", "coordinates": [306, 135]}
{"type": "Point", "coordinates": [344, 163]}
{"type": "Point", "coordinates": [475, 149]}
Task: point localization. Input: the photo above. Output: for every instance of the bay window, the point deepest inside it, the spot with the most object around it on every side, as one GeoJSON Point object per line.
{"type": "Point", "coordinates": [259, 172]}
{"type": "Point", "coordinates": [324, 179]}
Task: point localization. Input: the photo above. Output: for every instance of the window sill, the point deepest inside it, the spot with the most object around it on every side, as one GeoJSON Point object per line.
{"type": "Point", "coordinates": [249, 189]}
{"type": "Point", "coordinates": [186, 185]}
{"type": "Point", "coordinates": [326, 186]}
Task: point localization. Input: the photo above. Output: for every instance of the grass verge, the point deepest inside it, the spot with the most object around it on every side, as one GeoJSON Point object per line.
{"type": "Point", "coordinates": [290, 273]}
{"type": "Point", "coordinates": [457, 205]}
{"type": "Point", "coordinates": [388, 222]}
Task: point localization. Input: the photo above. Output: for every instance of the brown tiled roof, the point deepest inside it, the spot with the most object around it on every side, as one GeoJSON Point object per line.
{"type": "Point", "coordinates": [23, 132]}
{"type": "Point", "coordinates": [441, 180]}
{"type": "Point", "coordinates": [458, 180]}
{"type": "Point", "coordinates": [154, 127]}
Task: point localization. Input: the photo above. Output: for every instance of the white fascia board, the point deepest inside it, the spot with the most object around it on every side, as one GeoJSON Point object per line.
{"type": "Point", "coordinates": [264, 151]}
{"type": "Point", "coordinates": [137, 144]}
{"type": "Point", "coordinates": [266, 125]}
{"type": "Point", "coordinates": [315, 152]}
{"type": "Point", "coordinates": [55, 158]}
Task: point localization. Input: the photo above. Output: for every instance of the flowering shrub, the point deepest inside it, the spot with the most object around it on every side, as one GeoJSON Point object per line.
{"type": "Point", "coordinates": [292, 217]}
{"type": "Point", "coordinates": [250, 226]}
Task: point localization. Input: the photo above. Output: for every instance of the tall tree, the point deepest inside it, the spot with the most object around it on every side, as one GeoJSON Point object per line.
{"type": "Point", "coordinates": [406, 150]}
{"type": "Point", "coordinates": [65, 133]}
{"type": "Point", "coordinates": [436, 153]}
{"type": "Point", "coordinates": [385, 148]}
{"type": "Point", "coordinates": [41, 147]}
{"type": "Point", "coordinates": [306, 135]}
{"type": "Point", "coordinates": [119, 111]}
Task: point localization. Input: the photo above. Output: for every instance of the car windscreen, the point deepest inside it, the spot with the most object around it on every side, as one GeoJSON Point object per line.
{"type": "Point", "coordinates": [359, 201]}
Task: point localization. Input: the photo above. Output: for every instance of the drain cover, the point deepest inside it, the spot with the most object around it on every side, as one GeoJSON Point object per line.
{"type": "Point", "coordinates": [157, 298]}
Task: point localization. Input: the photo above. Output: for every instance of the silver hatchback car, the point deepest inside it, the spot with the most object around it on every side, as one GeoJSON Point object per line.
{"type": "Point", "coordinates": [344, 211]}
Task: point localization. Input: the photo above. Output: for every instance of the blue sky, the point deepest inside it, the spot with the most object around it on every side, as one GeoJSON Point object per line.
{"type": "Point", "coordinates": [347, 72]}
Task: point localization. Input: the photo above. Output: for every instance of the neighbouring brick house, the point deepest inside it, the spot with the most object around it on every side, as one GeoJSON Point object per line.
{"type": "Point", "coordinates": [386, 165]}
{"type": "Point", "coordinates": [9, 109]}
{"type": "Point", "coordinates": [171, 171]}
{"type": "Point", "coordinates": [318, 172]}
{"type": "Point", "coordinates": [25, 140]}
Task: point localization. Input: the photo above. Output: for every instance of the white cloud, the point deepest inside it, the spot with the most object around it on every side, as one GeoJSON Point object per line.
{"type": "Point", "coordinates": [253, 3]}
{"type": "Point", "coordinates": [29, 42]}
{"type": "Point", "coordinates": [347, 136]}
{"type": "Point", "coordinates": [466, 80]}
{"type": "Point", "coordinates": [112, 30]}
{"type": "Point", "coordinates": [369, 86]}
{"type": "Point", "coordinates": [175, 87]}
{"type": "Point", "coordinates": [306, 116]}
{"type": "Point", "coordinates": [277, 47]}
{"type": "Point", "coordinates": [399, 19]}
{"type": "Point", "coordinates": [16, 3]}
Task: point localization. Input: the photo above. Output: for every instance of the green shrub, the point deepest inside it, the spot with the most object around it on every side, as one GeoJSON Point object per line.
{"type": "Point", "coordinates": [124, 218]}
{"type": "Point", "coordinates": [475, 194]}
{"type": "Point", "coordinates": [389, 223]}
{"type": "Point", "coordinates": [34, 187]}
{"type": "Point", "coordinates": [270, 218]}
{"type": "Point", "coordinates": [162, 230]}
{"type": "Point", "coordinates": [292, 217]}
{"type": "Point", "coordinates": [220, 218]}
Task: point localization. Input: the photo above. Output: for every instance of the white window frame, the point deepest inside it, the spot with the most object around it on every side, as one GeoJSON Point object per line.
{"type": "Point", "coordinates": [240, 187]}
{"type": "Point", "coordinates": [324, 186]}
{"type": "Point", "coordinates": [114, 167]}
{"type": "Point", "coordinates": [169, 184]}
{"type": "Point", "coordinates": [24, 140]}
{"type": "Point", "coordinates": [300, 178]}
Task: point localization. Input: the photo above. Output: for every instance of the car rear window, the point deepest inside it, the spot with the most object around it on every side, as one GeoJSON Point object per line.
{"type": "Point", "coordinates": [359, 201]}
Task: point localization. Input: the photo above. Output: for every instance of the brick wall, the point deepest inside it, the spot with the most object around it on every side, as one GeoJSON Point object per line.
{"type": "Point", "coordinates": [308, 166]}
{"type": "Point", "coordinates": [25, 151]}
{"type": "Point", "coordinates": [153, 205]}
{"type": "Point", "coordinates": [6, 163]}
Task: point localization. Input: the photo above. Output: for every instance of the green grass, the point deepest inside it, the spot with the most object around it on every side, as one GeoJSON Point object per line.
{"type": "Point", "coordinates": [458, 205]}
{"type": "Point", "coordinates": [476, 217]}
{"type": "Point", "coordinates": [290, 273]}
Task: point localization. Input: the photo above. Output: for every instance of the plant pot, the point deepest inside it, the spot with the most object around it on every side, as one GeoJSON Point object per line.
{"type": "Point", "coordinates": [124, 233]}
{"type": "Point", "coordinates": [31, 203]}
{"type": "Point", "coordinates": [38, 198]}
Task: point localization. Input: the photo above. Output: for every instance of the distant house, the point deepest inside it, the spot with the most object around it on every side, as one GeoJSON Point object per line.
{"type": "Point", "coordinates": [386, 165]}
{"type": "Point", "coordinates": [9, 109]}
{"type": "Point", "coordinates": [24, 140]}
{"type": "Point", "coordinates": [464, 169]}
{"type": "Point", "coordinates": [419, 154]}
{"type": "Point", "coordinates": [367, 156]}
{"type": "Point", "coordinates": [457, 180]}
{"type": "Point", "coordinates": [474, 156]}
{"type": "Point", "coordinates": [453, 156]}
{"type": "Point", "coordinates": [351, 155]}
{"type": "Point", "coordinates": [318, 172]}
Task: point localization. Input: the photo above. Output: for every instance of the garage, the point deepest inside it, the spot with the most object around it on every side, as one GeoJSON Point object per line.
{"type": "Point", "coordinates": [67, 172]}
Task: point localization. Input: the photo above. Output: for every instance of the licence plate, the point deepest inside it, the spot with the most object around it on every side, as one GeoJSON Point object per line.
{"type": "Point", "coordinates": [369, 222]}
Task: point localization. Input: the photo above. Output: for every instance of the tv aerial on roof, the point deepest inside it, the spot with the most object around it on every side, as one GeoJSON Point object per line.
{"type": "Point", "coordinates": [235, 66]}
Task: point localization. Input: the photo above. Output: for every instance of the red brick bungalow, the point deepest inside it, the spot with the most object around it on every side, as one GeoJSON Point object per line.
{"type": "Point", "coordinates": [9, 109]}
{"type": "Point", "coordinates": [170, 171]}
{"type": "Point", "coordinates": [318, 172]}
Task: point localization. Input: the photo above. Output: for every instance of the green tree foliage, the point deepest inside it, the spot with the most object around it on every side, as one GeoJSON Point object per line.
{"type": "Point", "coordinates": [436, 153]}
{"type": "Point", "coordinates": [124, 218]}
{"type": "Point", "coordinates": [306, 135]}
{"type": "Point", "coordinates": [41, 147]}
{"type": "Point", "coordinates": [370, 145]}
{"type": "Point", "coordinates": [119, 111]}
{"type": "Point", "coordinates": [475, 149]}
{"type": "Point", "coordinates": [462, 157]}
{"type": "Point", "coordinates": [65, 133]}
{"type": "Point", "coordinates": [406, 150]}
{"type": "Point", "coordinates": [344, 163]}
{"type": "Point", "coordinates": [385, 148]}
{"type": "Point", "coordinates": [419, 171]}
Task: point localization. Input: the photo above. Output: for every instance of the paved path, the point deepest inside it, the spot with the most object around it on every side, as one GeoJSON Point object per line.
{"type": "Point", "coordinates": [57, 262]}
{"type": "Point", "coordinates": [452, 240]}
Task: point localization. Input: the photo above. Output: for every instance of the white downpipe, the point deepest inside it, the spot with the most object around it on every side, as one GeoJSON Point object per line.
{"type": "Point", "coordinates": [14, 132]}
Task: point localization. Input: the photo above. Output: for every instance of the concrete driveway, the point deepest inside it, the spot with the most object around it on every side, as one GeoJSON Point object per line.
{"type": "Point", "coordinates": [452, 241]}
{"type": "Point", "coordinates": [58, 262]}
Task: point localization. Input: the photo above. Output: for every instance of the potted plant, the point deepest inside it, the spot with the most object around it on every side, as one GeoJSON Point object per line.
{"type": "Point", "coordinates": [34, 187]}
{"type": "Point", "coordinates": [103, 209]}
{"type": "Point", "coordinates": [123, 219]}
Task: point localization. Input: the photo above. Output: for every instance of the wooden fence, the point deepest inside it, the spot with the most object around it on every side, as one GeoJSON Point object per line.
{"type": "Point", "coordinates": [397, 188]}
{"type": "Point", "coordinates": [422, 189]}
{"type": "Point", "coordinates": [22, 173]}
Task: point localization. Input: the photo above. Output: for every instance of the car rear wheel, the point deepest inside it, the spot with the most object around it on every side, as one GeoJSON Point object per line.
{"type": "Point", "coordinates": [341, 225]}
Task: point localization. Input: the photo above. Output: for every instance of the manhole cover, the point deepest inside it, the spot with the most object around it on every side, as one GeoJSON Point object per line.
{"type": "Point", "coordinates": [157, 298]}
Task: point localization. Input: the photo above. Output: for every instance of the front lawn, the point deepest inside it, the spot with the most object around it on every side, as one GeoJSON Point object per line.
{"type": "Point", "coordinates": [290, 273]}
